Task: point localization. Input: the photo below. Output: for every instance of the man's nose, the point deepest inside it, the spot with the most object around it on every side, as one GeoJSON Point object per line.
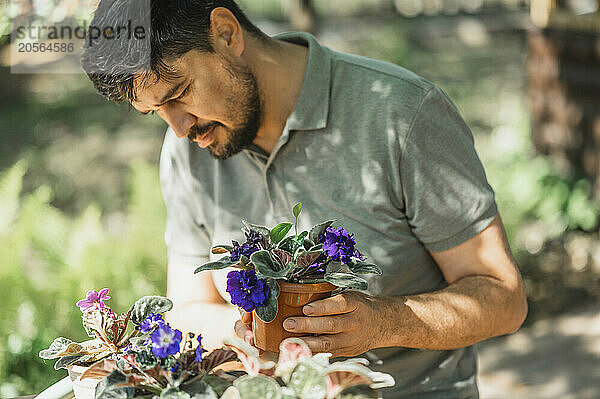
{"type": "Point", "coordinates": [180, 121]}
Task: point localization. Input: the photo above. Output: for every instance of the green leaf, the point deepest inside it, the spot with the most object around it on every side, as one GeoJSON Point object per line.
{"type": "Point", "coordinates": [308, 244]}
{"type": "Point", "coordinates": [216, 358]}
{"type": "Point", "coordinates": [288, 393]}
{"type": "Point", "coordinates": [316, 231]}
{"type": "Point", "coordinates": [281, 256]}
{"type": "Point", "coordinates": [258, 387]}
{"type": "Point", "coordinates": [221, 249]}
{"type": "Point", "coordinates": [297, 209]}
{"type": "Point", "coordinates": [262, 230]}
{"type": "Point", "coordinates": [305, 259]}
{"type": "Point", "coordinates": [200, 389]}
{"type": "Point", "coordinates": [362, 374]}
{"type": "Point", "coordinates": [365, 268]}
{"type": "Point", "coordinates": [299, 240]}
{"type": "Point", "coordinates": [216, 265]}
{"type": "Point", "coordinates": [345, 280]}
{"type": "Point", "coordinates": [57, 347]}
{"type": "Point", "coordinates": [219, 385]}
{"type": "Point", "coordinates": [108, 387]}
{"type": "Point", "coordinates": [266, 266]}
{"type": "Point", "coordinates": [174, 393]}
{"type": "Point", "coordinates": [279, 232]}
{"type": "Point", "coordinates": [359, 392]}
{"type": "Point", "coordinates": [231, 393]}
{"type": "Point", "coordinates": [336, 267]}
{"type": "Point", "coordinates": [287, 244]}
{"type": "Point", "coordinates": [65, 361]}
{"type": "Point", "coordinates": [308, 381]}
{"type": "Point", "coordinates": [149, 304]}
{"type": "Point", "coordinates": [316, 247]}
{"type": "Point", "coordinates": [311, 280]}
{"type": "Point", "coordinates": [268, 312]}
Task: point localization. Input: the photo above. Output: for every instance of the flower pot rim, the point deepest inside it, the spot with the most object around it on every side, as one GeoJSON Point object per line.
{"type": "Point", "coordinates": [77, 368]}
{"type": "Point", "coordinates": [300, 288]}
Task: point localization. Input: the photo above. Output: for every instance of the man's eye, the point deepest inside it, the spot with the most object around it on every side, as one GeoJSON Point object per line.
{"type": "Point", "coordinates": [183, 93]}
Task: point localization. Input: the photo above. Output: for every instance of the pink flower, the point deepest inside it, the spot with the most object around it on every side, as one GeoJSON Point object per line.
{"type": "Point", "coordinates": [94, 299]}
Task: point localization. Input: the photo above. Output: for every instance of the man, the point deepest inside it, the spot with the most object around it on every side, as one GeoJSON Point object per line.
{"type": "Point", "coordinates": [273, 121]}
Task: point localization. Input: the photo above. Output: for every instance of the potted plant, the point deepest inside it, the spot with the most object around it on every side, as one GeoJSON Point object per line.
{"type": "Point", "coordinates": [143, 361]}
{"type": "Point", "coordinates": [300, 374]}
{"type": "Point", "coordinates": [280, 273]}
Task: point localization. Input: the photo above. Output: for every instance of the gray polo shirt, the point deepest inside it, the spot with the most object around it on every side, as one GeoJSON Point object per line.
{"type": "Point", "coordinates": [372, 145]}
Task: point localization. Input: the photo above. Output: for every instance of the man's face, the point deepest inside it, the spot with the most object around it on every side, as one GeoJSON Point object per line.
{"type": "Point", "coordinates": [214, 103]}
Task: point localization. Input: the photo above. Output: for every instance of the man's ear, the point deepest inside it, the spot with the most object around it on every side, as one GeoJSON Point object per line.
{"type": "Point", "coordinates": [226, 32]}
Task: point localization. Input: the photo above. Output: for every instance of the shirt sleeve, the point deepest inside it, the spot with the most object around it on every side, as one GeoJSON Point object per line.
{"type": "Point", "coordinates": [186, 234]}
{"type": "Point", "coordinates": [447, 197]}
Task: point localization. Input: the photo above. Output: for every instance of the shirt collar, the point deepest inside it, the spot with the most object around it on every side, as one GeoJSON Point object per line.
{"type": "Point", "coordinates": [312, 107]}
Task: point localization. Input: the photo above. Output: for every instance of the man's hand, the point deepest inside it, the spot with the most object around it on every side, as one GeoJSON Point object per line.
{"type": "Point", "coordinates": [340, 323]}
{"type": "Point", "coordinates": [243, 327]}
{"type": "Point", "coordinates": [484, 298]}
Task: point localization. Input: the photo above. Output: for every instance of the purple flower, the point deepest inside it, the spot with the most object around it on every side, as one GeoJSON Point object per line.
{"type": "Point", "coordinates": [128, 349]}
{"type": "Point", "coordinates": [165, 341]}
{"type": "Point", "coordinates": [94, 299]}
{"type": "Point", "coordinates": [246, 290]}
{"type": "Point", "coordinates": [339, 244]}
{"type": "Point", "coordinates": [151, 322]}
{"type": "Point", "coordinates": [199, 350]}
{"type": "Point", "coordinates": [253, 239]}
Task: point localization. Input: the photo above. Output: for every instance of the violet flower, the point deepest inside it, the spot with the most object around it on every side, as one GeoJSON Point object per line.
{"type": "Point", "coordinates": [151, 322]}
{"type": "Point", "coordinates": [165, 341]}
{"type": "Point", "coordinates": [253, 239]}
{"type": "Point", "coordinates": [94, 299]}
{"type": "Point", "coordinates": [199, 350]}
{"type": "Point", "coordinates": [246, 290]}
{"type": "Point", "coordinates": [339, 245]}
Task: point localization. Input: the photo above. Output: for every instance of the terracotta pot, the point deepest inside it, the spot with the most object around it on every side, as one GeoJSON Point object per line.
{"type": "Point", "coordinates": [292, 297]}
{"type": "Point", "coordinates": [83, 389]}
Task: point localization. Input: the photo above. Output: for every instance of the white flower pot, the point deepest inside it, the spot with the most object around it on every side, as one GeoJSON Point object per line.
{"type": "Point", "coordinates": [83, 389]}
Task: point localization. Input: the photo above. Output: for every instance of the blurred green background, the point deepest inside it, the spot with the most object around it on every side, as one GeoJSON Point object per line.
{"type": "Point", "coordinates": [80, 203]}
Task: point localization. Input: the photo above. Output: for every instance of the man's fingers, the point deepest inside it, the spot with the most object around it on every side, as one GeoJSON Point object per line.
{"type": "Point", "coordinates": [246, 317]}
{"type": "Point", "coordinates": [324, 343]}
{"type": "Point", "coordinates": [319, 325]}
{"type": "Point", "coordinates": [244, 332]}
{"type": "Point", "coordinates": [337, 304]}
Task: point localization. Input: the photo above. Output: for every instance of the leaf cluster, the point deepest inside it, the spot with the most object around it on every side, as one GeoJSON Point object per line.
{"type": "Point", "coordinates": [300, 374]}
{"type": "Point", "coordinates": [297, 258]}
{"type": "Point", "coordinates": [109, 332]}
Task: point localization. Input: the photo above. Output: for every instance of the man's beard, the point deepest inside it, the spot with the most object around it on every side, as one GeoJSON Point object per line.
{"type": "Point", "coordinates": [245, 107]}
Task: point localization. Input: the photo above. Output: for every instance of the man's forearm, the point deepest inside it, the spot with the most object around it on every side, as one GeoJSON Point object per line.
{"type": "Point", "coordinates": [470, 310]}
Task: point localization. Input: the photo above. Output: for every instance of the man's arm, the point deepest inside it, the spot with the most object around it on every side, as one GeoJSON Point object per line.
{"type": "Point", "coordinates": [184, 287]}
{"type": "Point", "coordinates": [197, 305]}
{"type": "Point", "coordinates": [484, 298]}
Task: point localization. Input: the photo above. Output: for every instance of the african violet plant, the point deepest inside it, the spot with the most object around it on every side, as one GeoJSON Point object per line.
{"type": "Point", "coordinates": [323, 254]}
{"type": "Point", "coordinates": [300, 374]}
{"type": "Point", "coordinates": [148, 360]}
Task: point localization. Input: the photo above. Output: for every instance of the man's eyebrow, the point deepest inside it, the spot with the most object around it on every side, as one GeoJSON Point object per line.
{"type": "Point", "coordinates": [171, 93]}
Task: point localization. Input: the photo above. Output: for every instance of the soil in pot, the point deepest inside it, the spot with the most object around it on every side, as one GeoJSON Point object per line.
{"type": "Point", "coordinates": [292, 297]}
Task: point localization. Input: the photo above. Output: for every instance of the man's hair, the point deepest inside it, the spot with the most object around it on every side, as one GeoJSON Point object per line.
{"type": "Point", "coordinates": [176, 27]}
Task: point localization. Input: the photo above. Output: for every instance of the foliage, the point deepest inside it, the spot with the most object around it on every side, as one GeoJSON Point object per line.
{"type": "Point", "coordinates": [149, 359]}
{"type": "Point", "coordinates": [300, 374]}
{"type": "Point", "coordinates": [323, 254]}
{"type": "Point", "coordinates": [47, 258]}
{"type": "Point", "coordinates": [550, 216]}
